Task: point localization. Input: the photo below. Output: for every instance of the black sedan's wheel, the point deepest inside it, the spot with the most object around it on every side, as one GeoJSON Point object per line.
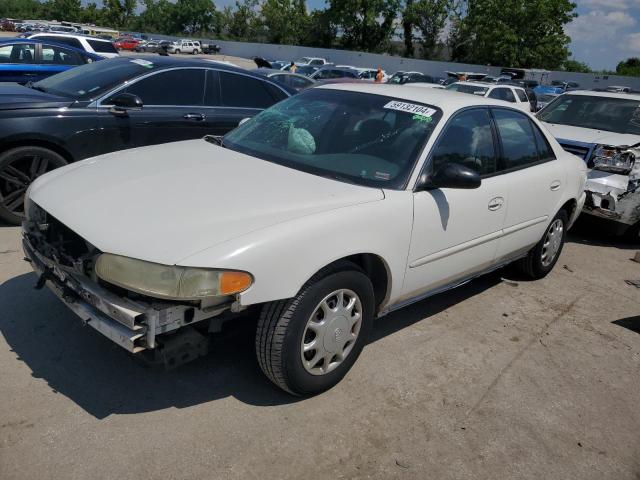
{"type": "Point", "coordinates": [18, 168]}
{"type": "Point", "coordinates": [305, 345]}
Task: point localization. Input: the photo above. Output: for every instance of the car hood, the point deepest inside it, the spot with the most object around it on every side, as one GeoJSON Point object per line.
{"type": "Point", "coordinates": [14, 95]}
{"type": "Point", "coordinates": [167, 202]}
{"type": "Point", "coordinates": [589, 135]}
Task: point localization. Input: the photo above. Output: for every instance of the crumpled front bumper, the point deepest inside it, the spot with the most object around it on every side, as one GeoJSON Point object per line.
{"type": "Point", "coordinates": [132, 325]}
{"type": "Point", "coordinates": [608, 197]}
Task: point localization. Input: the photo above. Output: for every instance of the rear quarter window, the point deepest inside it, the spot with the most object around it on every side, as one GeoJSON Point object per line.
{"type": "Point", "coordinates": [102, 47]}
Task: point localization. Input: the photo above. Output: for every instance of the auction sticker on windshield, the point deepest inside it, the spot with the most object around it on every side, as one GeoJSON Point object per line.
{"type": "Point", "coordinates": [143, 63]}
{"type": "Point", "coordinates": [410, 108]}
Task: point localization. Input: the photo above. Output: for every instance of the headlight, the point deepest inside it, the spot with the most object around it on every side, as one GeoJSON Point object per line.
{"type": "Point", "coordinates": [613, 159]}
{"type": "Point", "coordinates": [170, 282]}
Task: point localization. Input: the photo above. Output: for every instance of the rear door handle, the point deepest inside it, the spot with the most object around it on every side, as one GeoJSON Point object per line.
{"type": "Point", "coordinates": [555, 185]}
{"type": "Point", "coordinates": [198, 117]}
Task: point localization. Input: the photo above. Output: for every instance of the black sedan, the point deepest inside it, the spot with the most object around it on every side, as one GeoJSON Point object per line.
{"type": "Point", "coordinates": [114, 105]}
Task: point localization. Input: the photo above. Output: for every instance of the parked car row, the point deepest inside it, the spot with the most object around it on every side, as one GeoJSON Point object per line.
{"type": "Point", "coordinates": [237, 211]}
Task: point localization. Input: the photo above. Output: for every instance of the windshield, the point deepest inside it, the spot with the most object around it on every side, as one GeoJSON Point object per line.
{"type": "Point", "coordinates": [466, 88]}
{"type": "Point", "coordinates": [618, 115]}
{"type": "Point", "coordinates": [93, 79]}
{"type": "Point", "coordinates": [360, 138]}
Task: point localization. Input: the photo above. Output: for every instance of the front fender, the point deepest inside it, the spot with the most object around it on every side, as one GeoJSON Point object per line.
{"type": "Point", "coordinates": [284, 256]}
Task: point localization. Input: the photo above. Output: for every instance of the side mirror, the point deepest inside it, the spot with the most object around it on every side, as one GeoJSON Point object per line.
{"type": "Point", "coordinates": [453, 175]}
{"type": "Point", "coordinates": [125, 101]}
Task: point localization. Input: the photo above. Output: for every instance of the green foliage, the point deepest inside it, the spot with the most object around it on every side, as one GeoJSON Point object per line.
{"type": "Point", "coordinates": [428, 17]}
{"type": "Point", "coordinates": [575, 66]}
{"type": "Point", "coordinates": [516, 33]}
{"type": "Point", "coordinates": [366, 24]}
{"type": "Point", "coordinates": [285, 21]}
{"type": "Point", "coordinates": [21, 9]}
{"type": "Point", "coordinates": [629, 67]}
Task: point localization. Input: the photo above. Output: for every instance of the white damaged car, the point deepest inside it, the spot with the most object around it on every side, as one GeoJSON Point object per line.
{"type": "Point", "coordinates": [603, 128]}
{"type": "Point", "coordinates": [328, 210]}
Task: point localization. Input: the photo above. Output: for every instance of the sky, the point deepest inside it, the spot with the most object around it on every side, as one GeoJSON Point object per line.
{"type": "Point", "coordinates": [605, 32]}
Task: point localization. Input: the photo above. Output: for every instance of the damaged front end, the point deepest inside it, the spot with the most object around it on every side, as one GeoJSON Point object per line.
{"type": "Point", "coordinates": [66, 263]}
{"type": "Point", "coordinates": [613, 186]}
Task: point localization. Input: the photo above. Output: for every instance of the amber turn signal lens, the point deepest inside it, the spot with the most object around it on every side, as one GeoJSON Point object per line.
{"type": "Point", "coordinates": [234, 282]}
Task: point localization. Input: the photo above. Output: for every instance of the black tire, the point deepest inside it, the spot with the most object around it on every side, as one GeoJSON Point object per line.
{"type": "Point", "coordinates": [195, 51]}
{"type": "Point", "coordinates": [532, 265]}
{"type": "Point", "coordinates": [18, 168]}
{"type": "Point", "coordinates": [282, 324]}
{"type": "Point", "coordinates": [177, 51]}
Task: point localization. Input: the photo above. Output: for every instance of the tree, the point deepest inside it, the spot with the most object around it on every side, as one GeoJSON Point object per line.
{"type": "Point", "coordinates": [242, 23]}
{"type": "Point", "coordinates": [117, 13]}
{"type": "Point", "coordinates": [428, 17]}
{"type": "Point", "coordinates": [630, 67]}
{"type": "Point", "coordinates": [517, 33]}
{"type": "Point", "coordinates": [575, 66]}
{"type": "Point", "coordinates": [195, 16]}
{"type": "Point", "coordinates": [20, 9]}
{"type": "Point", "coordinates": [366, 24]}
{"type": "Point", "coordinates": [285, 20]}
{"type": "Point", "coordinates": [320, 31]}
{"type": "Point", "coordinates": [69, 10]}
{"type": "Point", "coordinates": [159, 16]}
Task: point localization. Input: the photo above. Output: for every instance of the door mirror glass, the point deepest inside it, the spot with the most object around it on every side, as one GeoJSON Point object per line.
{"type": "Point", "coordinates": [454, 175]}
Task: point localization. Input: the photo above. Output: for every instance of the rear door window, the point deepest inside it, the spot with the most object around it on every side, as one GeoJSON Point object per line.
{"type": "Point", "coordinates": [183, 87]}
{"type": "Point", "coordinates": [519, 147]}
{"type": "Point", "coordinates": [52, 55]}
{"type": "Point", "coordinates": [521, 95]}
{"type": "Point", "coordinates": [502, 94]}
{"type": "Point", "coordinates": [243, 91]}
{"type": "Point", "coordinates": [102, 47]}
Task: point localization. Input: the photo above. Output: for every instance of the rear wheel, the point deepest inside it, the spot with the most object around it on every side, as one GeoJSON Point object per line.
{"type": "Point", "coordinates": [306, 345]}
{"type": "Point", "coordinates": [542, 258]}
{"type": "Point", "coordinates": [195, 51]}
{"type": "Point", "coordinates": [18, 168]}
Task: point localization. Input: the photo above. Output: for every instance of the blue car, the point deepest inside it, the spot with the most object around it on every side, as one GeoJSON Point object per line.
{"type": "Point", "coordinates": [25, 60]}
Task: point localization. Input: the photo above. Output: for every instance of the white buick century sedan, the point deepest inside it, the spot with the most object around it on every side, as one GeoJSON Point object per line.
{"type": "Point", "coordinates": [328, 210]}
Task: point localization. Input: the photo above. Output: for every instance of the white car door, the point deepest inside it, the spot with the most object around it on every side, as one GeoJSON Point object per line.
{"type": "Point", "coordinates": [456, 231]}
{"type": "Point", "coordinates": [535, 179]}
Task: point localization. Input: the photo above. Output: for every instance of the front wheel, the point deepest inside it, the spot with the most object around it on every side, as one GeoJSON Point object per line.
{"type": "Point", "coordinates": [306, 345]}
{"type": "Point", "coordinates": [541, 259]}
{"type": "Point", "coordinates": [18, 168]}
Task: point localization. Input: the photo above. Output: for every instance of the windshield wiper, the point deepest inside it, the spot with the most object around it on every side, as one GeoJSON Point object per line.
{"type": "Point", "coordinates": [215, 139]}
{"type": "Point", "coordinates": [36, 87]}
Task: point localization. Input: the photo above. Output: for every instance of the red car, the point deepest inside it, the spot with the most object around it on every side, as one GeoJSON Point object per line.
{"type": "Point", "coordinates": [126, 43]}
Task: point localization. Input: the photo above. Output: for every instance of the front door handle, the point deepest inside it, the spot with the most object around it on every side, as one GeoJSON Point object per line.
{"type": "Point", "coordinates": [555, 185]}
{"type": "Point", "coordinates": [496, 203]}
{"type": "Point", "coordinates": [198, 117]}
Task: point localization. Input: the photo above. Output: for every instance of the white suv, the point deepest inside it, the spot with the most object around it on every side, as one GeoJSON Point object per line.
{"type": "Point", "coordinates": [506, 93]}
{"type": "Point", "coordinates": [185, 46]}
{"type": "Point", "coordinates": [99, 46]}
{"type": "Point", "coordinates": [325, 211]}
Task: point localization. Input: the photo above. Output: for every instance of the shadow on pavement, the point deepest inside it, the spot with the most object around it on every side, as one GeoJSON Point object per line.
{"type": "Point", "coordinates": [630, 323]}
{"type": "Point", "coordinates": [589, 232]}
{"type": "Point", "coordinates": [103, 379]}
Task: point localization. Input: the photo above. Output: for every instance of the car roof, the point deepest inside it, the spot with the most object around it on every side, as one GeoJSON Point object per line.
{"type": "Point", "coordinates": [68, 35]}
{"type": "Point", "coordinates": [267, 72]}
{"type": "Point", "coordinates": [490, 85]}
{"type": "Point", "coordinates": [444, 99]}
{"type": "Point", "coordinates": [591, 93]}
{"type": "Point", "coordinates": [13, 40]}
